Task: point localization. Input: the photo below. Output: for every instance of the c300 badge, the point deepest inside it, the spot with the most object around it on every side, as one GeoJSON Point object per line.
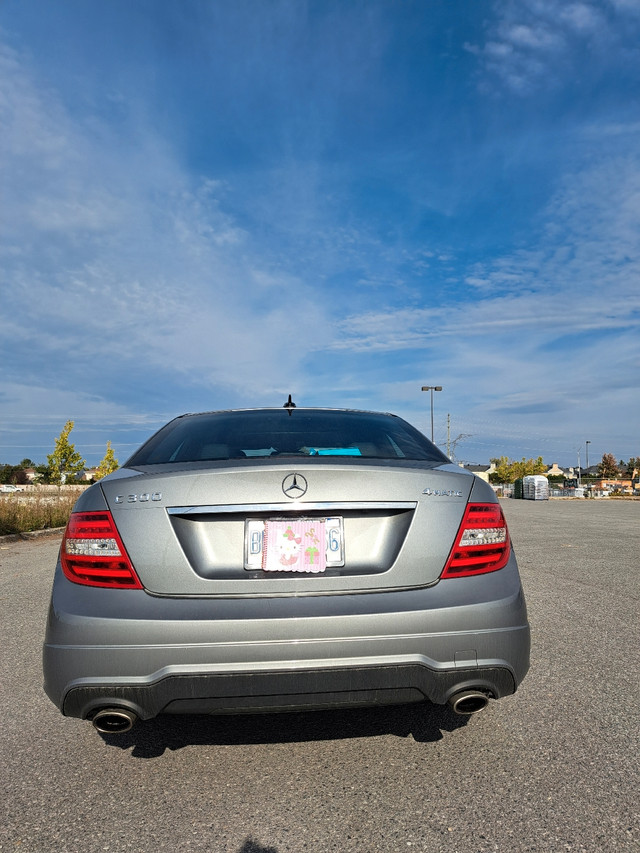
{"type": "Point", "coordinates": [143, 498]}
{"type": "Point", "coordinates": [442, 493]}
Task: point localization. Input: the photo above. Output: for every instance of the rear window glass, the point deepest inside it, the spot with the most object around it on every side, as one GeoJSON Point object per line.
{"type": "Point", "coordinates": [279, 432]}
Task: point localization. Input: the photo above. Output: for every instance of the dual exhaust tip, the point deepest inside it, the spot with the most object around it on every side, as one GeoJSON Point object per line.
{"type": "Point", "coordinates": [113, 721]}
{"type": "Point", "coordinates": [468, 702]}
{"type": "Point", "coordinates": [116, 721]}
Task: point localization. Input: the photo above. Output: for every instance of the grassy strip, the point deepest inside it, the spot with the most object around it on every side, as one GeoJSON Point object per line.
{"type": "Point", "coordinates": [34, 511]}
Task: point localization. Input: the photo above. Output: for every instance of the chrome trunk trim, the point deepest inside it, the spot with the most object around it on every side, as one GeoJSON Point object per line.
{"type": "Point", "coordinates": [291, 506]}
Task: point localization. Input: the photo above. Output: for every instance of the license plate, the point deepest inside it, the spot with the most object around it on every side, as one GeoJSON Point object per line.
{"type": "Point", "coordinates": [293, 544]}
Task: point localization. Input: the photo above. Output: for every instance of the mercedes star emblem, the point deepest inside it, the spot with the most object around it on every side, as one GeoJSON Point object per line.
{"type": "Point", "coordinates": [294, 486]}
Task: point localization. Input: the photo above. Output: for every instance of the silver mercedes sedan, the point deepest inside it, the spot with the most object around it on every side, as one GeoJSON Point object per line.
{"type": "Point", "coordinates": [283, 559]}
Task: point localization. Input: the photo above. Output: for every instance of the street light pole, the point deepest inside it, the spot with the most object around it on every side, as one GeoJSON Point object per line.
{"type": "Point", "coordinates": [432, 388]}
{"type": "Point", "coordinates": [579, 480]}
{"type": "Point", "coordinates": [587, 443]}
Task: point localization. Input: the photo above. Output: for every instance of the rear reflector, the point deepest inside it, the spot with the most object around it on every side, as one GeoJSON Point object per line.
{"type": "Point", "coordinates": [93, 554]}
{"type": "Point", "coordinates": [482, 544]}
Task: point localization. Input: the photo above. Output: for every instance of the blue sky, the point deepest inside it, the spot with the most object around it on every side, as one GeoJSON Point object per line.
{"type": "Point", "coordinates": [215, 204]}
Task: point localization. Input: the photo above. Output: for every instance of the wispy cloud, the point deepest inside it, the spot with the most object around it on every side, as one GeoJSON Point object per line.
{"type": "Point", "coordinates": [319, 200]}
{"type": "Point", "coordinates": [540, 331]}
{"type": "Point", "coordinates": [580, 273]}
{"type": "Point", "coordinates": [115, 256]}
{"type": "Point", "coordinates": [532, 44]}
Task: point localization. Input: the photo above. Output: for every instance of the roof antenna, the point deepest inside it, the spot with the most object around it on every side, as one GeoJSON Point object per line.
{"type": "Point", "coordinates": [289, 404]}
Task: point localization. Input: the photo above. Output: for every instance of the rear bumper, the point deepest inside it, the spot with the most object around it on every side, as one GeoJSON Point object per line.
{"type": "Point", "coordinates": [154, 655]}
{"type": "Point", "coordinates": [288, 691]}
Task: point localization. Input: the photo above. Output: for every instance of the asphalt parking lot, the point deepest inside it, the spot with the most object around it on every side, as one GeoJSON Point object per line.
{"type": "Point", "coordinates": [553, 768]}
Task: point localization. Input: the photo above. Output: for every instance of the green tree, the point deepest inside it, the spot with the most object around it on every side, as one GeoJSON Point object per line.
{"type": "Point", "coordinates": [20, 476]}
{"type": "Point", "coordinates": [509, 470]}
{"type": "Point", "coordinates": [14, 474]}
{"type": "Point", "coordinates": [626, 469]}
{"type": "Point", "coordinates": [608, 467]}
{"type": "Point", "coordinates": [632, 465]}
{"type": "Point", "coordinates": [108, 464]}
{"type": "Point", "coordinates": [65, 459]}
{"type": "Point", "coordinates": [43, 474]}
{"type": "Point", "coordinates": [502, 473]}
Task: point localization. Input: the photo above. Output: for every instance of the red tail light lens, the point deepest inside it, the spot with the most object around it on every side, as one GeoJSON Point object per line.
{"type": "Point", "coordinates": [482, 544]}
{"type": "Point", "coordinates": [93, 554]}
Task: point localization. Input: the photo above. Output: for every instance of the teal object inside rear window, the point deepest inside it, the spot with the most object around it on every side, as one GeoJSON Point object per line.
{"type": "Point", "coordinates": [334, 451]}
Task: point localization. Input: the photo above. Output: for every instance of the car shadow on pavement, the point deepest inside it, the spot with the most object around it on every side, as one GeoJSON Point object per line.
{"type": "Point", "coordinates": [149, 739]}
{"type": "Point", "coordinates": [251, 846]}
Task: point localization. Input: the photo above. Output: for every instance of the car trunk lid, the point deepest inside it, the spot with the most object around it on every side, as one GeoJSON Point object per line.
{"type": "Point", "coordinates": [197, 532]}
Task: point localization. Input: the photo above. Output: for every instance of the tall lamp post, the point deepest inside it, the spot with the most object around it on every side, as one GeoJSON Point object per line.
{"type": "Point", "coordinates": [587, 443]}
{"type": "Point", "coordinates": [432, 388]}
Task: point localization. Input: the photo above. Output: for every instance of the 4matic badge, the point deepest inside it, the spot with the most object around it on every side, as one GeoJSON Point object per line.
{"type": "Point", "coordinates": [442, 493]}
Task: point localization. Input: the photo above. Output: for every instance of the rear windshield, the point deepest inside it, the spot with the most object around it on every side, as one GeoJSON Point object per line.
{"type": "Point", "coordinates": [279, 432]}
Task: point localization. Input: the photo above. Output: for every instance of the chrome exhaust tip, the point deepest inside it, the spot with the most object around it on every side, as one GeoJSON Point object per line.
{"type": "Point", "coordinates": [114, 721]}
{"type": "Point", "coordinates": [468, 702]}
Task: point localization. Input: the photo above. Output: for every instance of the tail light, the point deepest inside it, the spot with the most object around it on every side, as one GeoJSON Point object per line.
{"type": "Point", "coordinates": [92, 552]}
{"type": "Point", "coordinates": [482, 544]}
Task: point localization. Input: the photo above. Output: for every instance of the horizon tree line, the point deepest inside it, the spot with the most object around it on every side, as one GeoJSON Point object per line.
{"type": "Point", "coordinates": [66, 463]}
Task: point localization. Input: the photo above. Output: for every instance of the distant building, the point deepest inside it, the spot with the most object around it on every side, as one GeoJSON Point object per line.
{"type": "Point", "coordinates": [555, 471]}
{"type": "Point", "coordinates": [611, 484]}
{"type": "Point", "coordinates": [481, 471]}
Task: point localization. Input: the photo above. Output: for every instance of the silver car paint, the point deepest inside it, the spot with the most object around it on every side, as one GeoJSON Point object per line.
{"type": "Point", "coordinates": [383, 553]}
{"type": "Point", "coordinates": [207, 636]}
